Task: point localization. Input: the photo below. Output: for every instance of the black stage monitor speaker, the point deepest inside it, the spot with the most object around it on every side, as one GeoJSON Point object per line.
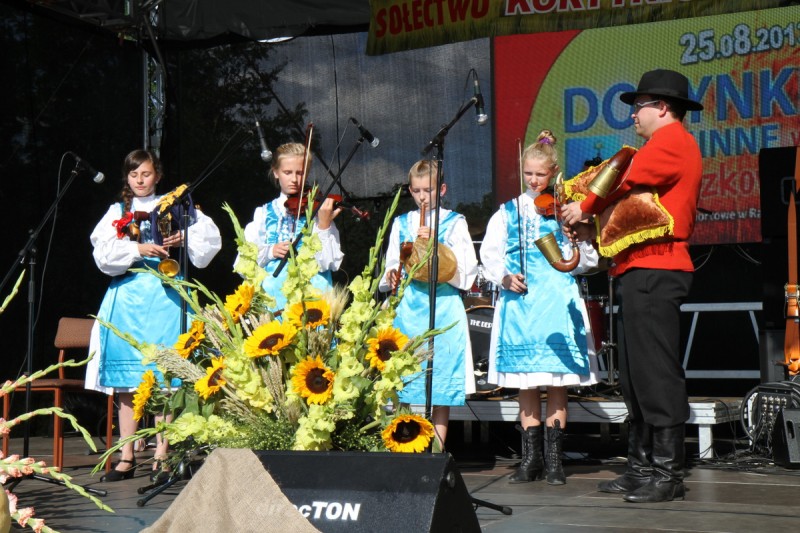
{"type": "Point", "coordinates": [369, 492]}
{"type": "Point", "coordinates": [786, 439]}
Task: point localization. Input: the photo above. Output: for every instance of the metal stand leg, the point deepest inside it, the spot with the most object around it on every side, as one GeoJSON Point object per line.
{"type": "Point", "coordinates": [154, 489]}
{"type": "Point", "coordinates": [499, 508]}
{"type": "Point", "coordinates": [610, 346]}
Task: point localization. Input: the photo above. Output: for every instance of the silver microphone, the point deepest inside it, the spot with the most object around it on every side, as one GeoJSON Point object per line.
{"type": "Point", "coordinates": [480, 114]}
{"type": "Point", "coordinates": [266, 155]}
{"type": "Point", "coordinates": [98, 177]}
{"type": "Point", "coordinates": [371, 139]}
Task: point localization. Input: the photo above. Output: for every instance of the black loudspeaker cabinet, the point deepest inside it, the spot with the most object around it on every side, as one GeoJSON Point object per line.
{"type": "Point", "coordinates": [369, 492]}
{"type": "Point", "coordinates": [776, 177]}
{"type": "Point", "coordinates": [786, 439]}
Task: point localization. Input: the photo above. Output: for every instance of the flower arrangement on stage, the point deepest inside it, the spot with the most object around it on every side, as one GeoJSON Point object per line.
{"type": "Point", "coordinates": [15, 467]}
{"type": "Point", "coordinates": [319, 375]}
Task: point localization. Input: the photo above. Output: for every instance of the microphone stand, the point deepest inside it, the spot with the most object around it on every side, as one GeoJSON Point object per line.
{"type": "Point", "coordinates": [438, 142]}
{"type": "Point", "coordinates": [223, 155]}
{"type": "Point", "coordinates": [334, 181]}
{"type": "Point", "coordinates": [183, 470]}
{"type": "Point", "coordinates": [433, 277]}
{"type": "Point", "coordinates": [28, 253]}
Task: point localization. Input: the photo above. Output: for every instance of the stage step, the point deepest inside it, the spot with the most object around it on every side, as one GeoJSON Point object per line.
{"type": "Point", "coordinates": [704, 412]}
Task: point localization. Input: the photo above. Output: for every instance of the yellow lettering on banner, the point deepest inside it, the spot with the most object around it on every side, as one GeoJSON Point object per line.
{"type": "Point", "coordinates": [406, 24]}
{"type": "Point", "coordinates": [407, 17]}
{"type": "Point", "coordinates": [533, 7]}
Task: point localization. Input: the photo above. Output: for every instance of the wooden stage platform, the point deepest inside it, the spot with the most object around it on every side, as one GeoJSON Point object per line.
{"type": "Point", "coordinates": [723, 495]}
{"type": "Point", "coordinates": [726, 494]}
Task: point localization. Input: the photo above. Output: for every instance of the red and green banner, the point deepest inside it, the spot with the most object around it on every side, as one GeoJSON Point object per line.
{"type": "Point", "coordinates": [742, 67]}
{"type": "Point", "coordinates": [397, 25]}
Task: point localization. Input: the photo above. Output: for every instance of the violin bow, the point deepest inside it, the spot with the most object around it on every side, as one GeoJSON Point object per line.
{"type": "Point", "coordinates": [519, 211]}
{"type": "Point", "coordinates": [306, 158]}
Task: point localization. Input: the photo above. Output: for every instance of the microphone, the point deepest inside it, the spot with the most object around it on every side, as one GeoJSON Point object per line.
{"type": "Point", "coordinates": [99, 177]}
{"type": "Point", "coordinates": [371, 139]}
{"type": "Point", "coordinates": [480, 114]}
{"type": "Point", "coordinates": [266, 155]}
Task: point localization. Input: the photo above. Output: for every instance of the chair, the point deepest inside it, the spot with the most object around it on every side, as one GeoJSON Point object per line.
{"type": "Point", "coordinates": [72, 334]}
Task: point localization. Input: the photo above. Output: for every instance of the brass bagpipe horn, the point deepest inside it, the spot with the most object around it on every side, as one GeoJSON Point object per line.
{"type": "Point", "coordinates": [605, 180]}
{"type": "Point", "coordinates": [548, 244]}
{"type": "Point", "coordinates": [168, 266]}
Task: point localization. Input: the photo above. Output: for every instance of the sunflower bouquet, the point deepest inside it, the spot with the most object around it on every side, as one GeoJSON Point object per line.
{"type": "Point", "coordinates": [318, 375]}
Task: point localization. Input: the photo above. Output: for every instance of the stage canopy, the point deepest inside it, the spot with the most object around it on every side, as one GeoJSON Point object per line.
{"type": "Point", "coordinates": [210, 22]}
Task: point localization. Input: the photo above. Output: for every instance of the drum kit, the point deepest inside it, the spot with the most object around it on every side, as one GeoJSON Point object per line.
{"type": "Point", "coordinates": [480, 302]}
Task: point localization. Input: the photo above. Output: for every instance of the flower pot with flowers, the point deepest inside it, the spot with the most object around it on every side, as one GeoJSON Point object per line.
{"type": "Point", "coordinates": [320, 376]}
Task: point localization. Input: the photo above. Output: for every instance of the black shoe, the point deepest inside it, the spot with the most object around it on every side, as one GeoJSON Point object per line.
{"type": "Point", "coordinates": [658, 490]}
{"type": "Point", "coordinates": [552, 457]}
{"type": "Point", "coordinates": [119, 475]}
{"type": "Point", "coordinates": [666, 483]}
{"type": "Point", "coordinates": [159, 477]}
{"type": "Point", "coordinates": [627, 482]}
{"type": "Point", "coordinates": [531, 468]}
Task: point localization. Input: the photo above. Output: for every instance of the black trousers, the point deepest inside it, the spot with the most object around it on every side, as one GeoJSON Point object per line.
{"type": "Point", "coordinates": [650, 370]}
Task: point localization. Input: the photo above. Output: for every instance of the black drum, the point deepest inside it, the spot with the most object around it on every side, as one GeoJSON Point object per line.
{"type": "Point", "coordinates": [480, 319]}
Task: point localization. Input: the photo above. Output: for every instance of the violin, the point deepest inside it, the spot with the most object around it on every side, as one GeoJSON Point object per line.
{"type": "Point", "coordinates": [545, 204]}
{"type": "Point", "coordinates": [297, 204]}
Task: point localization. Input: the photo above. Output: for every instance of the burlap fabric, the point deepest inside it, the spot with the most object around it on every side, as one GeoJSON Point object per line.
{"type": "Point", "coordinates": [231, 492]}
{"type": "Point", "coordinates": [5, 515]}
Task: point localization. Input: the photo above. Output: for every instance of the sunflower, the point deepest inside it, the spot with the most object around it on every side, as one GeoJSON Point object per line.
{"type": "Point", "coordinates": [189, 341]}
{"type": "Point", "coordinates": [269, 339]}
{"type": "Point", "coordinates": [408, 433]}
{"type": "Point", "coordinates": [311, 379]}
{"type": "Point", "coordinates": [317, 313]}
{"type": "Point", "coordinates": [213, 381]}
{"type": "Point", "coordinates": [238, 303]}
{"type": "Point", "coordinates": [381, 347]}
{"type": "Point", "coordinates": [143, 393]}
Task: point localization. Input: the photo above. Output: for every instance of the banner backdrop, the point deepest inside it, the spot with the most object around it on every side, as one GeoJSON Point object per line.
{"type": "Point", "coordinates": [742, 67]}
{"type": "Point", "coordinates": [406, 24]}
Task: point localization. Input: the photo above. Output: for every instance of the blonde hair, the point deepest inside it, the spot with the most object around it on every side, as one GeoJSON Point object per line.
{"type": "Point", "coordinates": [287, 150]}
{"type": "Point", "coordinates": [423, 169]}
{"type": "Point", "coordinates": [543, 148]}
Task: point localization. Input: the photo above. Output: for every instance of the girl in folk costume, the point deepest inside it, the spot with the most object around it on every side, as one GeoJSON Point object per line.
{"type": "Point", "coordinates": [274, 227]}
{"type": "Point", "coordinates": [453, 377]}
{"type": "Point", "coordinates": [138, 303]}
{"type": "Point", "coordinates": [539, 339]}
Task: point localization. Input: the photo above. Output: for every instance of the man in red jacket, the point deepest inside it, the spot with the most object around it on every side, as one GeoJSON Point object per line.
{"type": "Point", "coordinates": [654, 278]}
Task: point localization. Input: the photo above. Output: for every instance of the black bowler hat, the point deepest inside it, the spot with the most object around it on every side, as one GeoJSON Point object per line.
{"type": "Point", "coordinates": [666, 83]}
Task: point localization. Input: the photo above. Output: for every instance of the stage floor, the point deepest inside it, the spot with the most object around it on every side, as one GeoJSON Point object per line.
{"type": "Point", "coordinates": [719, 498]}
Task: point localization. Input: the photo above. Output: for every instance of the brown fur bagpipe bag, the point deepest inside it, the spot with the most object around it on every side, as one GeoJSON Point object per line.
{"type": "Point", "coordinates": [635, 218]}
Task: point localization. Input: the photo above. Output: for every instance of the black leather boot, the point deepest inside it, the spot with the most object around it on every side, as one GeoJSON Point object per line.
{"type": "Point", "coordinates": [666, 481]}
{"type": "Point", "coordinates": [532, 465]}
{"type": "Point", "coordinates": [639, 468]}
{"type": "Point", "coordinates": [555, 470]}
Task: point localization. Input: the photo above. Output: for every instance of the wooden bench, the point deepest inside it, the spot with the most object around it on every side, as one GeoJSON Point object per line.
{"type": "Point", "coordinates": [704, 412]}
